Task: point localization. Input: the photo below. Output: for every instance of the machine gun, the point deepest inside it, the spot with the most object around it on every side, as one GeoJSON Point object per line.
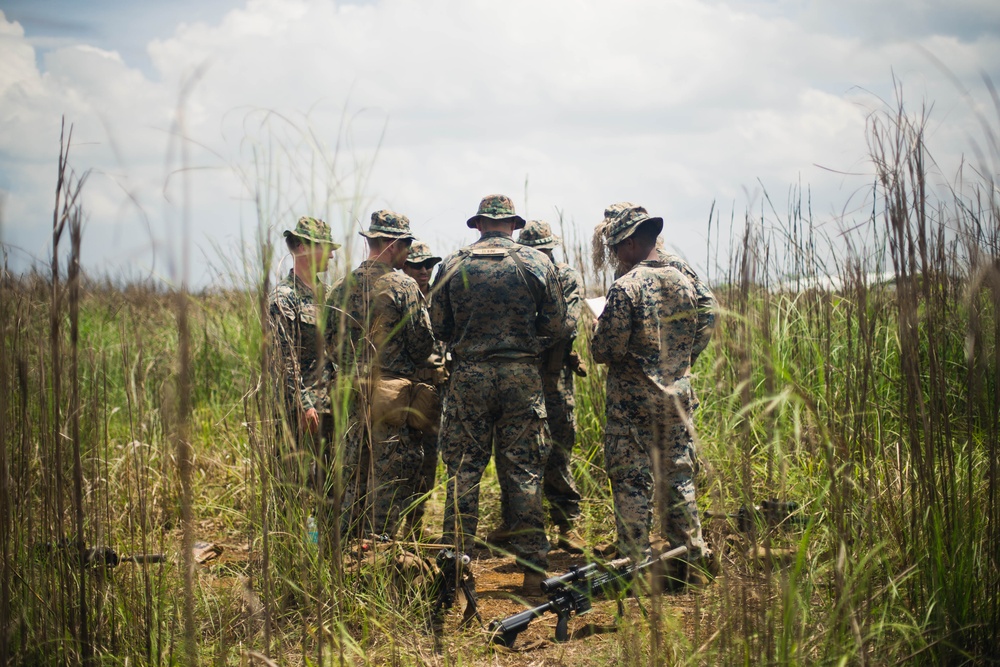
{"type": "Point", "coordinates": [573, 592]}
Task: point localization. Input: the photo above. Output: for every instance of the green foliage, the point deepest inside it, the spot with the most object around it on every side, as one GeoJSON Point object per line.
{"type": "Point", "coordinates": [876, 406]}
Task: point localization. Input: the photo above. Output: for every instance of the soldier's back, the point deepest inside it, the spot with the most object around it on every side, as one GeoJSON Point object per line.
{"type": "Point", "coordinates": [495, 300]}
{"type": "Point", "coordinates": [663, 324]}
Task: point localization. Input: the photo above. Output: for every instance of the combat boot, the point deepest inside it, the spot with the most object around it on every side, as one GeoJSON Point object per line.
{"type": "Point", "coordinates": [499, 537]}
{"type": "Point", "coordinates": [569, 540]}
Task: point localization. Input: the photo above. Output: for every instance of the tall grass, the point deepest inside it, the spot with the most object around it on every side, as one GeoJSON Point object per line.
{"type": "Point", "coordinates": [129, 413]}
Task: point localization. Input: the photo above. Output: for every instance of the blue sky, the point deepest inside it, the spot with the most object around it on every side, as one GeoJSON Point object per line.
{"type": "Point", "coordinates": [336, 109]}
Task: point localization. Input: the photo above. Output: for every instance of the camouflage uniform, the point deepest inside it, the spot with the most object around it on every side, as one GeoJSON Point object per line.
{"type": "Point", "coordinates": [432, 372]}
{"type": "Point", "coordinates": [383, 331]}
{"type": "Point", "coordinates": [298, 324]}
{"type": "Point", "coordinates": [649, 336]}
{"type": "Point", "coordinates": [557, 384]}
{"type": "Point", "coordinates": [493, 302]}
{"type": "Point", "coordinates": [294, 313]}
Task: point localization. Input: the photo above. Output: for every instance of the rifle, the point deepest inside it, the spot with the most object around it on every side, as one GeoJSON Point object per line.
{"type": "Point", "coordinates": [573, 593]}
{"type": "Point", "coordinates": [95, 557]}
{"type": "Point", "coordinates": [108, 557]}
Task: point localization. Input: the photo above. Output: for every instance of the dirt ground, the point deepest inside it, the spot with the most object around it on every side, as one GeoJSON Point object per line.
{"type": "Point", "coordinates": [498, 585]}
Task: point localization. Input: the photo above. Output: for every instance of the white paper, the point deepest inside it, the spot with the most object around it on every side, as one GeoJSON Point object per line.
{"type": "Point", "coordinates": [596, 305]}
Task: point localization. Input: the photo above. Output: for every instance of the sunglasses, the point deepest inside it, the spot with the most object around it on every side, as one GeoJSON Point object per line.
{"type": "Point", "coordinates": [426, 264]}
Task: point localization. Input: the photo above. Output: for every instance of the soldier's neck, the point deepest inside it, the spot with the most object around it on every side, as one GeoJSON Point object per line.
{"type": "Point", "coordinates": [305, 273]}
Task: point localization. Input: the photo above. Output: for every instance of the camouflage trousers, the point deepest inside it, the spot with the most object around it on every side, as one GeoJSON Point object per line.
{"type": "Point", "coordinates": [501, 403]}
{"type": "Point", "coordinates": [558, 487]}
{"type": "Point", "coordinates": [654, 453]}
{"type": "Point", "coordinates": [380, 473]}
{"type": "Point", "coordinates": [425, 477]}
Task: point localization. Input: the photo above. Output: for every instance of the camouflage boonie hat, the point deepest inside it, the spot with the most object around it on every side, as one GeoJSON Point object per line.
{"type": "Point", "coordinates": [420, 252]}
{"type": "Point", "coordinates": [496, 207]}
{"type": "Point", "coordinates": [622, 219]}
{"type": "Point", "coordinates": [389, 225]}
{"type": "Point", "coordinates": [313, 230]}
{"type": "Point", "coordinates": [537, 234]}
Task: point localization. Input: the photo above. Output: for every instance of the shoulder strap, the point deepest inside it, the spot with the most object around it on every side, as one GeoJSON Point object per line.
{"type": "Point", "coordinates": [526, 275]}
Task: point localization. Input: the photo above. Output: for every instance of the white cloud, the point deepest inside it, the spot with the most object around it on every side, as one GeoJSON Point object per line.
{"type": "Point", "coordinates": [672, 104]}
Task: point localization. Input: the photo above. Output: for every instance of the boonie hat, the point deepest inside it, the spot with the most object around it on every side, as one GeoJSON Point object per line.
{"type": "Point", "coordinates": [622, 219]}
{"type": "Point", "coordinates": [496, 207]}
{"type": "Point", "coordinates": [388, 224]}
{"type": "Point", "coordinates": [313, 230]}
{"type": "Point", "coordinates": [420, 252]}
{"type": "Point", "coordinates": [538, 234]}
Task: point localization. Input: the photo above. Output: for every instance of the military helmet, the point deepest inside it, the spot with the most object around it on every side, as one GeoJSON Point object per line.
{"type": "Point", "coordinates": [496, 207]}
{"type": "Point", "coordinates": [313, 230]}
{"type": "Point", "coordinates": [538, 234]}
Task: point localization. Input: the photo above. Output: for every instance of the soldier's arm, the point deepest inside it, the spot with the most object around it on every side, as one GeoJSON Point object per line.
{"type": "Point", "coordinates": [442, 320]}
{"type": "Point", "coordinates": [570, 283]}
{"type": "Point", "coordinates": [283, 328]}
{"type": "Point", "coordinates": [707, 306]}
{"type": "Point", "coordinates": [551, 322]}
{"type": "Point", "coordinates": [417, 331]}
{"type": "Point", "coordinates": [339, 330]}
{"type": "Point", "coordinates": [609, 344]}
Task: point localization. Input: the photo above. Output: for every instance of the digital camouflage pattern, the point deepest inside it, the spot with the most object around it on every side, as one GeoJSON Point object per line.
{"type": "Point", "coordinates": [420, 252]}
{"type": "Point", "coordinates": [296, 319]}
{"type": "Point", "coordinates": [381, 318]}
{"type": "Point", "coordinates": [647, 336]}
{"type": "Point", "coordinates": [434, 373]}
{"type": "Point", "coordinates": [707, 305]}
{"type": "Point", "coordinates": [383, 330]}
{"type": "Point", "coordinates": [313, 230]}
{"type": "Point", "coordinates": [557, 385]}
{"type": "Point", "coordinates": [497, 300]}
{"type": "Point", "coordinates": [623, 219]}
{"type": "Point", "coordinates": [388, 224]}
{"type": "Point", "coordinates": [497, 402]}
{"type": "Point", "coordinates": [494, 301]}
{"type": "Point", "coordinates": [559, 487]}
{"type": "Point", "coordinates": [538, 234]}
{"type": "Point", "coordinates": [496, 207]}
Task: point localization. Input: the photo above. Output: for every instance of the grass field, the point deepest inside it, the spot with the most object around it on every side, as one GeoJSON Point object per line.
{"type": "Point", "coordinates": [143, 419]}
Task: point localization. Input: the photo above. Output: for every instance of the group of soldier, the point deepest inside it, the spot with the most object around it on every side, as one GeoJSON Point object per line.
{"type": "Point", "coordinates": [479, 363]}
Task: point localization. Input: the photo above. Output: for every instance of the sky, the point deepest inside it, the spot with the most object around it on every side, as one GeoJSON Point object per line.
{"type": "Point", "coordinates": [205, 126]}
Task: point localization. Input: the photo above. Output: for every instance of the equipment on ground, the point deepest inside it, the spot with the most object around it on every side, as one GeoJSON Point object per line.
{"type": "Point", "coordinates": [453, 575]}
{"type": "Point", "coordinates": [573, 593]}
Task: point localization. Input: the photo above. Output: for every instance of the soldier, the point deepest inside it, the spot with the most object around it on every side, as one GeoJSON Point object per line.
{"type": "Point", "coordinates": [298, 323]}
{"type": "Point", "coordinates": [494, 302]}
{"type": "Point", "coordinates": [558, 364]}
{"type": "Point", "coordinates": [419, 265]}
{"type": "Point", "coordinates": [385, 334]}
{"type": "Point", "coordinates": [649, 335]}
